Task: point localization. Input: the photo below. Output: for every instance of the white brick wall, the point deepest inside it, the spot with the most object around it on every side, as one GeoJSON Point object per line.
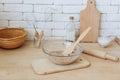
{"type": "Point", "coordinates": [32, 16]}
{"type": "Point", "coordinates": [109, 25]}
{"type": "Point", "coordinates": [10, 1]}
{"type": "Point", "coordinates": [68, 2]}
{"type": "Point", "coordinates": [21, 13]}
{"type": "Point", "coordinates": [65, 17]}
{"type": "Point", "coordinates": [21, 24]}
{"type": "Point", "coordinates": [113, 17]}
{"type": "Point", "coordinates": [3, 23]}
{"type": "Point", "coordinates": [40, 8]}
{"type": "Point", "coordinates": [44, 26]}
{"type": "Point", "coordinates": [18, 7]}
{"type": "Point", "coordinates": [108, 9]}
{"type": "Point", "coordinates": [72, 9]}
{"type": "Point", "coordinates": [39, 1]}
{"type": "Point", "coordinates": [43, 8]}
{"type": "Point", "coordinates": [59, 33]}
{"type": "Point", "coordinates": [115, 2]}
{"type": "Point", "coordinates": [1, 7]}
{"type": "Point", "coordinates": [11, 16]}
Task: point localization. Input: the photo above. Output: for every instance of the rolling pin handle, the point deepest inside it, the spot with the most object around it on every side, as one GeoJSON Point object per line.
{"type": "Point", "coordinates": [110, 57]}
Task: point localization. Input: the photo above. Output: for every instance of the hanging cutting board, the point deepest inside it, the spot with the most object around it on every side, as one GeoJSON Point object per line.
{"type": "Point", "coordinates": [44, 66]}
{"type": "Point", "coordinates": [90, 17]}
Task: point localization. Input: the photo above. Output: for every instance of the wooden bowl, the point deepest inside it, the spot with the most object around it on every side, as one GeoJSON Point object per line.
{"type": "Point", "coordinates": [12, 37]}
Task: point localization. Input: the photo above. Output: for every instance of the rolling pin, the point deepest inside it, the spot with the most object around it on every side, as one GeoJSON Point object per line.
{"type": "Point", "coordinates": [100, 54]}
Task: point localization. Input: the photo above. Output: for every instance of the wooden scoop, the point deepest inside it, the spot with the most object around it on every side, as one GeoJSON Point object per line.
{"type": "Point", "coordinates": [40, 38]}
{"type": "Point", "coordinates": [36, 34]}
{"type": "Point", "coordinates": [73, 46]}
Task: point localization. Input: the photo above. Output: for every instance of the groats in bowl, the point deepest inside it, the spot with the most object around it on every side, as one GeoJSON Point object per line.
{"type": "Point", "coordinates": [12, 37]}
{"type": "Point", "coordinates": [58, 58]}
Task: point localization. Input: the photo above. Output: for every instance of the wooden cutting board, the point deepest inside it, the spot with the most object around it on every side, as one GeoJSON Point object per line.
{"type": "Point", "coordinates": [44, 66]}
{"type": "Point", "coordinates": [90, 17]}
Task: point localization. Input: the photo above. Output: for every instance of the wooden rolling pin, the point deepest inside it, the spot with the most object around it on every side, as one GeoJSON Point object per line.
{"type": "Point", "coordinates": [100, 54]}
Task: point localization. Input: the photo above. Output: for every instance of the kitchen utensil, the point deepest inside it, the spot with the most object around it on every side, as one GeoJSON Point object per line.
{"type": "Point", "coordinates": [100, 54]}
{"type": "Point", "coordinates": [58, 58]}
{"type": "Point", "coordinates": [73, 46]}
{"type": "Point", "coordinates": [90, 17]}
{"type": "Point", "coordinates": [36, 32]}
{"type": "Point", "coordinates": [40, 38]}
{"type": "Point", "coordinates": [105, 41]}
{"type": "Point", "coordinates": [12, 37]}
{"type": "Point", "coordinates": [44, 66]}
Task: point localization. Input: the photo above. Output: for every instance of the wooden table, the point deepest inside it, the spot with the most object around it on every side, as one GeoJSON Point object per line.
{"type": "Point", "coordinates": [16, 65]}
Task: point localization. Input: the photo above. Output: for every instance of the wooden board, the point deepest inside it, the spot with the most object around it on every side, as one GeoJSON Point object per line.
{"type": "Point", "coordinates": [44, 66]}
{"type": "Point", "coordinates": [90, 17]}
{"type": "Point", "coordinates": [16, 64]}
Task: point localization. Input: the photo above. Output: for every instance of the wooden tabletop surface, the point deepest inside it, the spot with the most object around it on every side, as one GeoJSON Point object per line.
{"type": "Point", "coordinates": [16, 65]}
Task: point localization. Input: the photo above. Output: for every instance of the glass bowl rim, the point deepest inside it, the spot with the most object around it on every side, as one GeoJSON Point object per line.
{"type": "Point", "coordinates": [45, 51]}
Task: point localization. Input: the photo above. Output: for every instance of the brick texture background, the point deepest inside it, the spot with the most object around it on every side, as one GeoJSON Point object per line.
{"type": "Point", "coordinates": [22, 13]}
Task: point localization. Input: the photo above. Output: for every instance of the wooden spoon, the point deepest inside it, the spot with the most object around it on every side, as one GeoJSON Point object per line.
{"type": "Point", "coordinates": [73, 46]}
{"type": "Point", "coordinates": [40, 38]}
{"type": "Point", "coordinates": [36, 32]}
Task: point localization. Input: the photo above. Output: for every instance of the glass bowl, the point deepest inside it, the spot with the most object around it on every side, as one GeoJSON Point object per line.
{"type": "Point", "coordinates": [54, 50]}
{"type": "Point", "coordinates": [11, 38]}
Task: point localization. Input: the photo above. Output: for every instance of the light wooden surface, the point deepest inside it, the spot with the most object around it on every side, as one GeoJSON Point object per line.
{"type": "Point", "coordinates": [16, 65]}
{"type": "Point", "coordinates": [45, 66]}
{"type": "Point", "coordinates": [90, 17]}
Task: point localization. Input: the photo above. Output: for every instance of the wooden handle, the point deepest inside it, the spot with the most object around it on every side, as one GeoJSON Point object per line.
{"type": "Point", "coordinates": [82, 36]}
{"type": "Point", "coordinates": [40, 38]}
{"type": "Point", "coordinates": [90, 3]}
{"type": "Point", "coordinates": [100, 54]}
{"type": "Point", "coordinates": [112, 58]}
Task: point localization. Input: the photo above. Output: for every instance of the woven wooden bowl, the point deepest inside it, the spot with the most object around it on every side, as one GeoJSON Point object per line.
{"type": "Point", "coordinates": [12, 37]}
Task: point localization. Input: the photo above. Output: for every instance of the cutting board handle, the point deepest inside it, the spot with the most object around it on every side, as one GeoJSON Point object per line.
{"type": "Point", "coordinates": [90, 3]}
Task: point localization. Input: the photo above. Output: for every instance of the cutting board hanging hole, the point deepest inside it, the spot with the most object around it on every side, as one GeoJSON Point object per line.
{"type": "Point", "coordinates": [91, 2]}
